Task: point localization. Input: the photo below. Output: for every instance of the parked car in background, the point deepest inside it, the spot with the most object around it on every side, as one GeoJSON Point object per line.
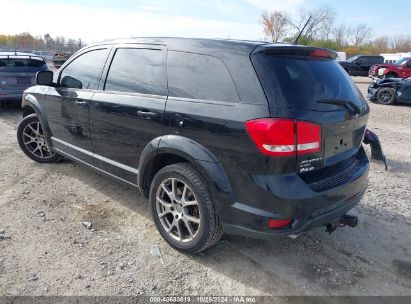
{"type": "Point", "coordinates": [393, 57]}
{"type": "Point", "coordinates": [360, 65]}
{"type": "Point", "coordinates": [60, 58]}
{"type": "Point", "coordinates": [46, 55]}
{"type": "Point", "coordinates": [17, 73]}
{"type": "Point", "coordinates": [219, 135]}
{"type": "Point", "coordinates": [390, 90]}
{"type": "Point", "coordinates": [399, 69]}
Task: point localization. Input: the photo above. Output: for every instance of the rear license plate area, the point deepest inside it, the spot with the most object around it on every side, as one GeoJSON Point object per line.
{"type": "Point", "coordinates": [23, 80]}
{"type": "Point", "coordinates": [337, 144]}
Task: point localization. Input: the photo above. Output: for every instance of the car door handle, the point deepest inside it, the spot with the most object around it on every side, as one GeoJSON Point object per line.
{"type": "Point", "coordinates": [81, 103]}
{"type": "Point", "coordinates": [146, 114]}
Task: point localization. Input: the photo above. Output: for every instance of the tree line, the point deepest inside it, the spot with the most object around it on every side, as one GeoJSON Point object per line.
{"type": "Point", "coordinates": [28, 42]}
{"type": "Point", "coordinates": [322, 30]}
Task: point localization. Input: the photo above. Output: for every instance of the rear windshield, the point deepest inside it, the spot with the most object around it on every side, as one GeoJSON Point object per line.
{"type": "Point", "coordinates": [14, 62]}
{"type": "Point", "coordinates": [307, 83]}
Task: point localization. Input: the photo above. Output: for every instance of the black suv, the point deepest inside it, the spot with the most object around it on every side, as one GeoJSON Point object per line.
{"type": "Point", "coordinates": [360, 65]}
{"type": "Point", "coordinates": [245, 138]}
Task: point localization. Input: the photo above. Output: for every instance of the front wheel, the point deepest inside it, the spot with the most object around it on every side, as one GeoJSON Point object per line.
{"type": "Point", "coordinates": [386, 96]}
{"type": "Point", "coordinates": [32, 141]}
{"type": "Point", "coordinates": [183, 210]}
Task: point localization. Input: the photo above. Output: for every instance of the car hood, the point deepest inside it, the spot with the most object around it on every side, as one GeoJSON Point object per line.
{"type": "Point", "coordinates": [385, 65]}
{"type": "Point", "coordinates": [388, 80]}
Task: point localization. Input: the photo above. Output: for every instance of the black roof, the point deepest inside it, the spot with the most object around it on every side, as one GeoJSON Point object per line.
{"type": "Point", "coordinates": [197, 45]}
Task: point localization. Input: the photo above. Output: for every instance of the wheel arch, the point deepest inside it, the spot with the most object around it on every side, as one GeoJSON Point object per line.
{"type": "Point", "coordinates": [395, 74]}
{"type": "Point", "coordinates": [173, 149]}
{"type": "Point", "coordinates": [30, 105]}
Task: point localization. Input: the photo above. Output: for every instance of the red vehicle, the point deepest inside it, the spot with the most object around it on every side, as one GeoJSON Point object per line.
{"type": "Point", "coordinates": [400, 69]}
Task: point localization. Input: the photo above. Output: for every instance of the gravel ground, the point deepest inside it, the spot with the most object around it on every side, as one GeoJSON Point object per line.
{"type": "Point", "coordinates": [45, 249]}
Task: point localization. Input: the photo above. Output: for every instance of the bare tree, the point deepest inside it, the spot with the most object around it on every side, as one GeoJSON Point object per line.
{"type": "Point", "coordinates": [382, 42]}
{"type": "Point", "coordinates": [80, 43]}
{"type": "Point", "coordinates": [275, 25]}
{"type": "Point", "coordinates": [361, 34]}
{"type": "Point", "coordinates": [341, 34]}
{"type": "Point", "coordinates": [401, 43]}
{"type": "Point", "coordinates": [320, 25]}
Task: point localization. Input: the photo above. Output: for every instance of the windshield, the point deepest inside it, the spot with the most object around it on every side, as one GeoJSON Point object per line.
{"type": "Point", "coordinates": [401, 61]}
{"type": "Point", "coordinates": [352, 59]}
{"type": "Point", "coordinates": [307, 83]}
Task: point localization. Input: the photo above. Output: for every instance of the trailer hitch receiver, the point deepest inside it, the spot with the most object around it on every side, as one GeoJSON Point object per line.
{"type": "Point", "coordinates": [345, 220]}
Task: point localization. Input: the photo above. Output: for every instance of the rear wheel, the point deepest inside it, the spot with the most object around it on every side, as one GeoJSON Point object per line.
{"type": "Point", "coordinates": [32, 141]}
{"type": "Point", "coordinates": [386, 96]}
{"type": "Point", "coordinates": [183, 210]}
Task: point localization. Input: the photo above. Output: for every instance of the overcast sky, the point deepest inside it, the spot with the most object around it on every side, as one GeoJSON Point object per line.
{"type": "Point", "coordinates": [96, 20]}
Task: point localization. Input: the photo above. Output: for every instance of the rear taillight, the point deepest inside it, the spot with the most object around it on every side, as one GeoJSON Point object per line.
{"type": "Point", "coordinates": [276, 224]}
{"type": "Point", "coordinates": [285, 137]}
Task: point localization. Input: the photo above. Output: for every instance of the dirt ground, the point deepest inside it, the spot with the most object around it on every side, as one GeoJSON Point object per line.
{"type": "Point", "coordinates": [46, 250]}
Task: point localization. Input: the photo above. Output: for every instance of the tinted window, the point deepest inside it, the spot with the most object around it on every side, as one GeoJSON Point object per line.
{"type": "Point", "coordinates": [199, 77]}
{"type": "Point", "coordinates": [137, 70]}
{"type": "Point", "coordinates": [306, 83]}
{"type": "Point", "coordinates": [22, 65]}
{"type": "Point", "coordinates": [371, 60]}
{"type": "Point", "coordinates": [85, 71]}
{"type": "Point", "coordinates": [374, 59]}
{"type": "Point", "coordinates": [35, 63]}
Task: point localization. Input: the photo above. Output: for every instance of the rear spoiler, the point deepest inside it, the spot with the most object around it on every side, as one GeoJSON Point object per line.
{"type": "Point", "coordinates": [370, 138]}
{"type": "Point", "coordinates": [22, 57]}
{"type": "Point", "coordinates": [295, 50]}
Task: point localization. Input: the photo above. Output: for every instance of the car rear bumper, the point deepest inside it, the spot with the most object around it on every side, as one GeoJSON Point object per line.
{"type": "Point", "coordinates": [289, 197]}
{"type": "Point", "coordinates": [11, 95]}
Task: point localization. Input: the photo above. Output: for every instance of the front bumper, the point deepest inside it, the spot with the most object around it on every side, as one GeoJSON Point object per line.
{"type": "Point", "coordinates": [289, 197]}
{"type": "Point", "coordinates": [372, 94]}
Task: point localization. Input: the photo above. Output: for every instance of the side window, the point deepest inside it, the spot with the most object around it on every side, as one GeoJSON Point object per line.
{"type": "Point", "coordinates": [137, 71]}
{"type": "Point", "coordinates": [373, 60]}
{"type": "Point", "coordinates": [199, 77]}
{"type": "Point", "coordinates": [85, 71]}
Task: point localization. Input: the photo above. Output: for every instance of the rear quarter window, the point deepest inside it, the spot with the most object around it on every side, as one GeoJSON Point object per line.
{"type": "Point", "coordinates": [196, 76]}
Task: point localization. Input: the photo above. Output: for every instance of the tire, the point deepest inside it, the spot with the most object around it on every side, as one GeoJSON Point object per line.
{"type": "Point", "coordinates": [188, 224]}
{"type": "Point", "coordinates": [31, 140]}
{"type": "Point", "coordinates": [386, 96]}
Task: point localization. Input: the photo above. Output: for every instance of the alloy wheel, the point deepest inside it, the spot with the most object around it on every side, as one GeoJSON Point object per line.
{"type": "Point", "coordinates": [178, 210]}
{"type": "Point", "coordinates": [35, 141]}
{"type": "Point", "coordinates": [386, 96]}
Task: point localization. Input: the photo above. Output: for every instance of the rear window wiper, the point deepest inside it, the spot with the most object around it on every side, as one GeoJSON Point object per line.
{"type": "Point", "coordinates": [349, 105]}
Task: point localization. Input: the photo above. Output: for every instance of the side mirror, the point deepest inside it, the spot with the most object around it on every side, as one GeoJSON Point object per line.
{"type": "Point", "coordinates": [358, 62]}
{"type": "Point", "coordinates": [44, 78]}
